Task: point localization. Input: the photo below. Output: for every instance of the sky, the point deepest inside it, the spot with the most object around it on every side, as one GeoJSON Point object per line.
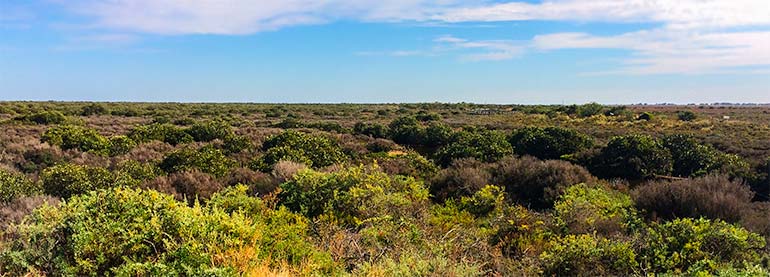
{"type": "Point", "coordinates": [374, 51]}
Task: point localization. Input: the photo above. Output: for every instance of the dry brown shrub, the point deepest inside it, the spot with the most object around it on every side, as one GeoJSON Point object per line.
{"type": "Point", "coordinates": [285, 170]}
{"type": "Point", "coordinates": [713, 196]}
{"type": "Point", "coordinates": [463, 178]}
{"type": "Point", "coordinates": [186, 185]}
{"type": "Point", "coordinates": [13, 212]}
{"type": "Point", "coordinates": [150, 151]}
{"type": "Point", "coordinates": [535, 183]}
{"type": "Point", "coordinates": [259, 183]}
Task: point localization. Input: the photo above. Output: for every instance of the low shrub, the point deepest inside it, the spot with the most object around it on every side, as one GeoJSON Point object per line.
{"type": "Point", "coordinates": [152, 234]}
{"type": "Point", "coordinates": [209, 130]}
{"type": "Point", "coordinates": [486, 146]}
{"type": "Point", "coordinates": [186, 185]}
{"type": "Point", "coordinates": [66, 180]}
{"type": "Point", "coordinates": [207, 159]}
{"type": "Point", "coordinates": [548, 143]}
{"type": "Point", "coordinates": [43, 118]}
{"type": "Point", "coordinates": [713, 196]}
{"type": "Point", "coordinates": [94, 109]}
{"type": "Point", "coordinates": [584, 209]}
{"type": "Point", "coordinates": [374, 130]}
{"type": "Point", "coordinates": [463, 178]}
{"type": "Point", "coordinates": [312, 150]}
{"type": "Point", "coordinates": [354, 195]}
{"type": "Point", "coordinates": [588, 255]}
{"type": "Point", "coordinates": [537, 184]}
{"type": "Point", "coordinates": [632, 157]}
{"type": "Point", "coordinates": [76, 137]}
{"type": "Point", "coordinates": [161, 132]}
{"type": "Point", "coordinates": [686, 115]}
{"type": "Point", "coordinates": [678, 245]}
{"type": "Point", "coordinates": [14, 185]}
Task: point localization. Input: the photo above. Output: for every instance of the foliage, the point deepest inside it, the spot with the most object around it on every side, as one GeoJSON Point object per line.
{"type": "Point", "coordinates": [686, 115]}
{"type": "Point", "coordinates": [43, 118]}
{"type": "Point", "coordinates": [353, 195]}
{"type": "Point", "coordinates": [588, 255]}
{"type": "Point", "coordinates": [484, 201]}
{"type": "Point", "coordinates": [66, 180]}
{"type": "Point", "coordinates": [14, 185]}
{"type": "Point", "coordinates": [161, 132]}
{"type": "Point", "coordinates": [406, 130]}
{"type": "Point", "coordinates": [713, 196]}
{"type": "Point", "coordinates": [677, 245]}
{"type": "Point", "coordinates": [94, 109]}
{"type": "Point", "coordinates": [537, 184]}
{"type": "Point", "coordinates": [210, 130]}
{"type": "Point", "coordinates": [693, 159]}
{"type": "Point", "coordinates": [548, 143]}
{"type": "Point", "coordinates": [206, 159]}
{"type": "Point", "coordinates": [437, 134]}
{"type": "Point", "coordinates": [487, 146]}
{"type": "Point", "coordinates": [148, 233]}
{"type": "Point", "coordinates": [370, 129]}
{"type": "Point", "coordinates": [632, 157]}
{"type": "Point", "coordinates": [583, 209]}
{"type": "Point", "coordinates": [312, 150]}
{"type": "Point", "coordinates": [120, 145]}
{"type": "Point", "coordinates": [76, 137]}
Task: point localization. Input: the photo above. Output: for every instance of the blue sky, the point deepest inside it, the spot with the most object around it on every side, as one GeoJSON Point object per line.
{"type": "Point", "coordinates": [560, 51]}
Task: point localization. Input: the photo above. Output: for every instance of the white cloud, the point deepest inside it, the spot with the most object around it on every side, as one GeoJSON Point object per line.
{"type": "Point", "coordinates": [675, 13]}
{"type": "Point", "coordinates": [486, 50]}
{"type": "Point", "coordinates": [694, 36]}
{"type": "Point", "coordinates": [666, 51]}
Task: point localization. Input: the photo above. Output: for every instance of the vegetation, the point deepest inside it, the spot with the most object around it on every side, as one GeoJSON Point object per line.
{"type": "Point", "coordinates": [146, 189]}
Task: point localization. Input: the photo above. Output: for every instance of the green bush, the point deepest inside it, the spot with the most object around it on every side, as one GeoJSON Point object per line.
{"type": "Point", "coordinates": [66, 180]}
{"type": "Point", "coordinates": [94, 109]}
{"type": "Point", "coordinates": [583, 209]}
{"type": "Point", "coordinates": [370, 129]}
{"type": "Point", "coordinates": [588, 255]}
{"type": "Point", "coordinates": [44, 118]}
{"type": "Point", "coordinates": [686, 115]}
{"type": "Point", "coordinates": [486, 146]}
{"type": "Point", "coordinates": [691, 158]}
{"type": "Point", "coordinates": [590, 109]}
{"type": "Point", "coordinates": [407, 130]}
{"type": "Point", "coordinates": [207, 159]}
{"type": "Point", "coordinates": [129, 232]}
{"type": "Point", "coordinates": [120, 145]}
{"type": "Point", "coordinates": [484, 201]}
{"type": "Point", "coordinates": [646, 116]}
{"type": "Point", "coordinates": [76, 137]}
{"type": "Point", "coordinates": [678, 245]}
{"type": "Point", "coordinates": [437, 134]}
{"type": "Point", "coordinates": [354, 196]}
{"type": "Point", "coordinates": [632, 157]}
{"type": "Point", "coordinates": [13, 186]}
{"type": "Point", "coordinates": [548, 143]}
{"type": "Point", "coordinates": [210, 130]}
{"type": "Point", "coordinates": [161, 132]}
{"type": "Point", "coordinates": [312, 150]}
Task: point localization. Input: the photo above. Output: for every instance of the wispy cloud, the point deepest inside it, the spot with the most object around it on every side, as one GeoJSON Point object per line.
{"type": "Point", "coordinates": [484, 50]}
{"type": "Point", "coordinates": [693, 36]}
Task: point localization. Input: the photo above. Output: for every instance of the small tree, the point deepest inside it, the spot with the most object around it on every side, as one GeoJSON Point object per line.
{"type": "Point", "coordinates": [407, 130]}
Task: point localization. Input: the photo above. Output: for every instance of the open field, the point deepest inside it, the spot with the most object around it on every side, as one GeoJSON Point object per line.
{"type": "Point", "coordinates": [430, 189]}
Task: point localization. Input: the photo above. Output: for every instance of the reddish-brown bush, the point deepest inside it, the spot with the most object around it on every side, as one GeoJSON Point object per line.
{"type": "Point", "coordinates": [713, 196]}
{"type": "Point", "coordinates": [463, 178]}
{"type": "Point", "coordinates": [259, 183]}
{"type": "Point", "coordinates": [186, 185]}
{"type": "Point", "coordinates": [535, 183]}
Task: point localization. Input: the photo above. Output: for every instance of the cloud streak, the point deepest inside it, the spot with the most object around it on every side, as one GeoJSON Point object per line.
{"type": "Point", "coordinates": [694, 36]}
